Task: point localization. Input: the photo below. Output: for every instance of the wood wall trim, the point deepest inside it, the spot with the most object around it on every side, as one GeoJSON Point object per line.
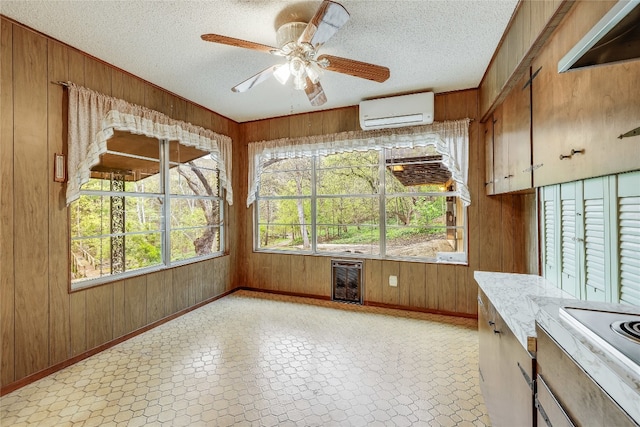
{"type": "Point", "coordinates": [421, 310]}
{"type": "Point", "coordinates": [61, 365]}
{"type": "Point", "coordinates": [365, 303]}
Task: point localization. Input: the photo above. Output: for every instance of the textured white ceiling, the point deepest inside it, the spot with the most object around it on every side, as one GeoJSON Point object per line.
{"type": "Point", "coordinates": [427, 45]}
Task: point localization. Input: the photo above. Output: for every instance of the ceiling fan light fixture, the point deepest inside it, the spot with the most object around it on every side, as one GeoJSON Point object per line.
{"type": "Point", "coordinates": [299, 42]}
{"type": "Point", "coordinates": [282, 73]}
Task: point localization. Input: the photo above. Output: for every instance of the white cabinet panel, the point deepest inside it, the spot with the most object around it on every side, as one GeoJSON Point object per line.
{"type": "Point", "coordinates": [591, 237]}
{"type": "Point", "coordinates": [629, 237]}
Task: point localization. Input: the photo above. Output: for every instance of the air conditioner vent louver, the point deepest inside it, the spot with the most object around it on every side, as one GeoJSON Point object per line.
{"type": "Point", "coordinates": [397, 111]}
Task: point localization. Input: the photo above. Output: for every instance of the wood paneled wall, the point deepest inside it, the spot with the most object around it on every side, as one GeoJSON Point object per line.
{"type": "Point", "coordinates": [530, 27]}
{"type": "Point", "coordinates": [498, 226]}
{"type": "Point", "coordinates": [42, 323]}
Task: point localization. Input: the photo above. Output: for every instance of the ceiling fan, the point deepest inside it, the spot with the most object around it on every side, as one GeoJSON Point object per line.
{"type": "Point", "coordinates": [299, 42]}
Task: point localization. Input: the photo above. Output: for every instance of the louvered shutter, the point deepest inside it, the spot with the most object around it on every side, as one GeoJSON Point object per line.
{"type": "Point", "coordinates": [597, 238]}
{"type": "Point", "coordinates": [629, 237]}
{"type": "Point", "coordinates": [594, 245]}
{"type": "Point", "coordinates": [550, 197]}
{"type": "Point", "coordinates": [569, 260]}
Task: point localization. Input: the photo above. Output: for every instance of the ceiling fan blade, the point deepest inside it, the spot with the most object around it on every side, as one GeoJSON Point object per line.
{"type": "Point", "coordinates": [254, 80]}
{"type": "Point", "coordinates": [216, 38]}
{"type": "Point", "coordinates": [329, 18]}
{"type": "Point", "coordinates": [315, 93]}
{"type": "Point", "coordinates": [354, 68]}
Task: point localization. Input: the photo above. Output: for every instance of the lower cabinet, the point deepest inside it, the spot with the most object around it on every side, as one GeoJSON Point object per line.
{"type": "Point", "coordinates": [506, 370]}
{"type": "Point", "coordinates": [566, 395]}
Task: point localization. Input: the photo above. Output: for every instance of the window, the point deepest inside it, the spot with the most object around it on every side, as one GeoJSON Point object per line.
{"type": "Point", "coordinates": [149, 204]}
{"type": "Point", "coordinates": [399, 203]}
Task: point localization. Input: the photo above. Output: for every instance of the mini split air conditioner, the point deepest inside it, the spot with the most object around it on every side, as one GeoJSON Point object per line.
{"type": "Point", "coordinates": [397, 111]}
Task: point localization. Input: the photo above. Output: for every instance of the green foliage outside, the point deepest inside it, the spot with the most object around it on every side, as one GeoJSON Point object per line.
{"type": "Point", "coordinates": [195, 221]}
{"type": "Point", "coordinates": [353, 217]}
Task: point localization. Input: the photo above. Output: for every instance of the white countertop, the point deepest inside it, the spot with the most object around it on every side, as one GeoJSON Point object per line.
{"type": "Point", "coordinates": [508, 293]}
{"type": "Point", "coordinates": [619, 380]}
{"type": "Point", "coordinates": [523, 299]}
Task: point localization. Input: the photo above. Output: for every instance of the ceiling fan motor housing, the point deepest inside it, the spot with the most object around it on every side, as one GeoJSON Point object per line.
{"type": "Point", "coordinates": [289, 32]}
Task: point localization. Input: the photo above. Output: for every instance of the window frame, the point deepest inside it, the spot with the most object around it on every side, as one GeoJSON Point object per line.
{"type": "Point", "coordinates": [165, 221]}
{"type": "Point", "coordinates": [382, 197]}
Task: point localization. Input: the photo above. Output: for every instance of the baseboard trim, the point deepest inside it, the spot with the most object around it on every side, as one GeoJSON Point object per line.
{"type": "Point", "coordinates": [421, 310]}
{"type": "Point", "coordinates": [285, 293]}
{"type": "Point", "coordinates": [367, 303]}
{"type": "Point", "coordinates": [6, 389]}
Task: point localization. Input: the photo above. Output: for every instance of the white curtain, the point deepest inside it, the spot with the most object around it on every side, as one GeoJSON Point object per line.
{"type": "Point", "coordinates": [450, 139]}
{"type": "Point", "coordinates": [93, 117]}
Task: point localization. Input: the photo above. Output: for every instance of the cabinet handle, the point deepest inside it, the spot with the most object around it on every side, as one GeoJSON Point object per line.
{"type": "Point", "coordinates": [574, 151]}
{"type": "Point", "coordinates": [495, 331]}
{"type": "Point", "coordinates": [491, 323]}
{"type": "Point", "coordinates": [508, 177]}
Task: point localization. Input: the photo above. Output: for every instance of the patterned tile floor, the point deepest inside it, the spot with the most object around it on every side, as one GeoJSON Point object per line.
{"type": "Point", "coordinates": [264, 360]}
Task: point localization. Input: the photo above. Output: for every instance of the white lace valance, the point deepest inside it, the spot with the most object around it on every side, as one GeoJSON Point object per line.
{"type": "Point", "coordinates": [450, 139]}
{"type": "Point", "coordinates": [93, 117]}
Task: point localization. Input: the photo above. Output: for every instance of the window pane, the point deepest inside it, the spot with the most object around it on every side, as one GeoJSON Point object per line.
{"type": "Point", "coordinates": [142, 250]}
{"type": "Point", "coordinates": [194, 242]}
{"type": "Point", "coordinates": [423, 211]}
{"type": "Point", "coordinates": [419, 242]}
{"type": "Point", "coordinates": [348, 210]}
{"type": "Point", "coordinates": [141, 213]}
{"type": "Point", "coordinates": [348, 173]}
{"type": "Point", "coordinates": [193, 181]}
{"type": "Point", "coordinates": [90, 216]}
{"type": "Point", "coordinates": [132, 164]}
{"type": "Point", "coordinates": [193, 212]}
{"type": "Point", "coordinates": [289, 177]}
{"type": "Point", "coordinates": [90, 258]}
{"type": "Point", "coordinates": [349, 238]}
{"type": "Point", "coordinates": [419, 168]}
{"type": "Point", "coordinates": [284, 224]}
{"type": "Point", "coordinates": [287, 165]}
{"type": "Point", "coordinates": [179, 153]}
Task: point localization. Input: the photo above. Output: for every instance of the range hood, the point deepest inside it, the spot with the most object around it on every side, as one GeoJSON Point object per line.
{"type": "Point", "coordinates": [615, 38]}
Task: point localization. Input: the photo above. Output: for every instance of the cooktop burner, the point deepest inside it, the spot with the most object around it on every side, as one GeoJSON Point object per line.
{"type": "Point", "coordinates": [630, 329]}
{"type": "Point", "coordinates": [617, 333]}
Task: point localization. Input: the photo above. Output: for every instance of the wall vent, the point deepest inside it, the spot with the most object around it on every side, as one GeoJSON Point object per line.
{"type": "Point", "coordinates": [346, 281]}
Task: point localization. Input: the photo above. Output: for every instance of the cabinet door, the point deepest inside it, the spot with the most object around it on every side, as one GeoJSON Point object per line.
{"type": "Point", "coordinates": [583, 110]}
{"type": "Point", "coordinates": [506, 369]}
{"type": "Point", "coordinates": [516, 137]}
{"type": "Point", "coordinates": [570, 242]}
{"type": "Point", "coordinates": [628, 230]}
{"type": "Point", "coordinates": [598, 238]}
{"type": "Point", "coordinates": [500, 153]}
{"type": "Point", "coordinates": [489, 178]}
{"type": "Point", "coordinates": [550, 232]}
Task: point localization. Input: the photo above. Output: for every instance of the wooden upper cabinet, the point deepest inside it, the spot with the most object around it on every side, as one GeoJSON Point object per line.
{"type": "Point", "coordinates": [510, 169]}
{"type": "Point", "coordinates": [579, 115]}
{"type": "Point", "coordinates": [488, 147]}
{"type": "Point", "coordinates": [516, 136]}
